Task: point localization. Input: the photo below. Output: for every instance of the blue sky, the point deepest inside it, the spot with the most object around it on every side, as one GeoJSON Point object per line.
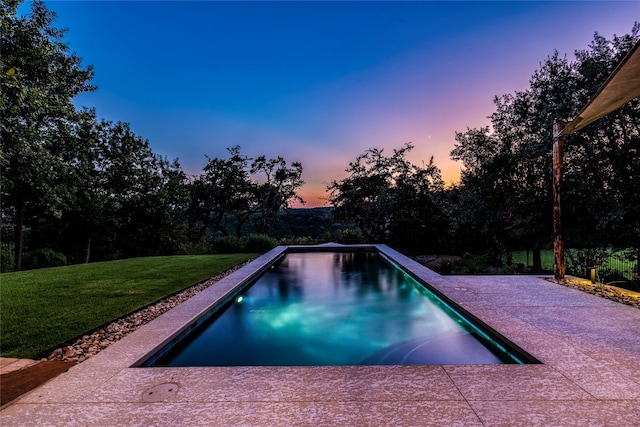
{"type": "Point", "coordinates": [318, 82]}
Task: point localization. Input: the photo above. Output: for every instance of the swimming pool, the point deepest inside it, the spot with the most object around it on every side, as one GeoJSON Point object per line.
{"type": "Point", "coordinates": [332, 308]}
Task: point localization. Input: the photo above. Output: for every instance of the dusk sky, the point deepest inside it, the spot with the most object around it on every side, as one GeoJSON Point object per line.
{"type": "Point", "coordinates": [318, 82]}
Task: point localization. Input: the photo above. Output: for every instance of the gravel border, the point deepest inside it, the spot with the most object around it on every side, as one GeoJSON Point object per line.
{"type": "Point", "coordinates": [93, 343]}
{"type": "Point", "coordinates": [613, 293]}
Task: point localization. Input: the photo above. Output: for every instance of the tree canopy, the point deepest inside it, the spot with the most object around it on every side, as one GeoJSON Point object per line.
{"type": "Point", "coordinates": [234, 191]}
{"type": "Point", "coordinates": [40, 77]}
{"type": "Point", "coordinates": [507, 173]}
{"type": "Point", "coordinates": [391, 199]}
{"type": "Point", "coordinates": [92, 189]}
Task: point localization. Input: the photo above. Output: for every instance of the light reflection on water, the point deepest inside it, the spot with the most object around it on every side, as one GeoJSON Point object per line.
{"type": "Point", "coordinates": [324, 308]}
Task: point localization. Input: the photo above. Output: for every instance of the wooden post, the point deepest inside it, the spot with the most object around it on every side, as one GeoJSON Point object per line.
{"type": "Point", "coordinates": [558, 241]}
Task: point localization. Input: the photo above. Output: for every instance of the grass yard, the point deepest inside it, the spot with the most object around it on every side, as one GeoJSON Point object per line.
{"type": "Point", "coordinates": [546, 256]}
{"type": "Point", "coordinates": [43, 308]}
{"type": "Point", "coordinates": [623, 267]}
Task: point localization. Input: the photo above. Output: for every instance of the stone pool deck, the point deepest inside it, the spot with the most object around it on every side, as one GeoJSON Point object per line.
{"type": "Point", "coordinates": [590, 375]}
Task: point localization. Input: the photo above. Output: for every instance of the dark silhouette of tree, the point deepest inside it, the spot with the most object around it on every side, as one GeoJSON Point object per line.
{"type": "Point", "coordinates": [223, 191]}
{"type": "Point", "coordinates": [238, 190]}
{"type": "Point", "coordinates": [40, 77]}
{"type": "Point", "coordinates": [390, 199]}
{"type": "Point", "coordinates": [505, 193]}
{"type": "Point", "coordinates": [276, 189]}
{"type": "Point", "coordinates": [122, 199]}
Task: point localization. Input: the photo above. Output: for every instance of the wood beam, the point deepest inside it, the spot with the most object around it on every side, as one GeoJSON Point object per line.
{"type": "Point", "coordinates": [558, 241]}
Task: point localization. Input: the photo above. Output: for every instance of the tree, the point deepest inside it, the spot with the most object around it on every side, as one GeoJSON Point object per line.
{"type": "Point", "coordinates": [84, 208]}
{"type": "Point", "coordinates": [486, 184]}
{"type": "Point", "coordinates": [388, 198]}
{"type": "Point", "coordinates": [144, 193]}
{"type": "Point", "coordinates": [506, 182]}
{"type": "Point", "coordinates": [223, 190]}
{"type": "Point", "coordinates": [602, 174]}
{"type": "Point", "coordinates": [40, 77]}
{"type": "Point", "coordinates": [277, 189]}
{"type": "Point", "coordinates": [121, 198]}
{"type": "Point", "coordinates": [507, 172]}
{"type": "Point", "coordinates": [240, 189]}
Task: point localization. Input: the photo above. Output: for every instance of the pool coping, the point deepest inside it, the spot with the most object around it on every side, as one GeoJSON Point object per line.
{"type": "Point", "coordinates": [588, 350]}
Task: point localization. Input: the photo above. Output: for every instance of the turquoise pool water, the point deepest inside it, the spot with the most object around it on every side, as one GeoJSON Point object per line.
{"type": "Point", "coordinates": [335, 308]}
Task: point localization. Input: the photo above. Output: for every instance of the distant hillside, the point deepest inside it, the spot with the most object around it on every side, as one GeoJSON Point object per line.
{"type": "Point", "coordinates": [314, 223]}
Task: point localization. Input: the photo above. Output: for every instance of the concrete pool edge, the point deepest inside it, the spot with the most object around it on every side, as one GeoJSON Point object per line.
{"type": "Point", "coordinates": [590, 374]}
{"type": "Point", "coordinates": [426, 276]}
{"type": "Point", "coordinates": [197, 308]}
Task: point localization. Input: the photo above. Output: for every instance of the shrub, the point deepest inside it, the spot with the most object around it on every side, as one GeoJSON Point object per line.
{"type": "Point", "coordinates": [7, 261]}
{"type": "Point", "coordinates": [228, 245]}
{"type": "Point", "coordinates": [201, 247]}
{"type": "Point", "coordinates": [260, 243]}
{"type": "Point", "coordinates": [350, 236]}
{"type": "Point", "coordinates": [481, 264]}
{"type": "Point", "coordinates": [445, 267]}
{"type": "Point", "coordinates": [43, 258]}
{"type": "Point", "coordinates": [578, 261]}
{"type": "Point", "coordinates": [305, 240]}
{"type": "Point", "coordinates": [508, 270]}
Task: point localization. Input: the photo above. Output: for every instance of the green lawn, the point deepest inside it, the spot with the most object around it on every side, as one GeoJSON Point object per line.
{"type": "Point", "coordinates": [43, 308]}
{"type": "Point", "coordinates": [546, 255]}
{"type": "Point", "coordinates": [624, 268]}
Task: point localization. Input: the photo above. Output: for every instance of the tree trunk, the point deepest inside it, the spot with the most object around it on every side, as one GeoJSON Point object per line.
{"type": "Point", "coordinates": [558, 239]}
{"type": "Point", "coordinates": [87, 251]}
{"type": "Point", "coordinates": [537, 259]}
{"type": "Point", "coordinates": [18, 234]}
